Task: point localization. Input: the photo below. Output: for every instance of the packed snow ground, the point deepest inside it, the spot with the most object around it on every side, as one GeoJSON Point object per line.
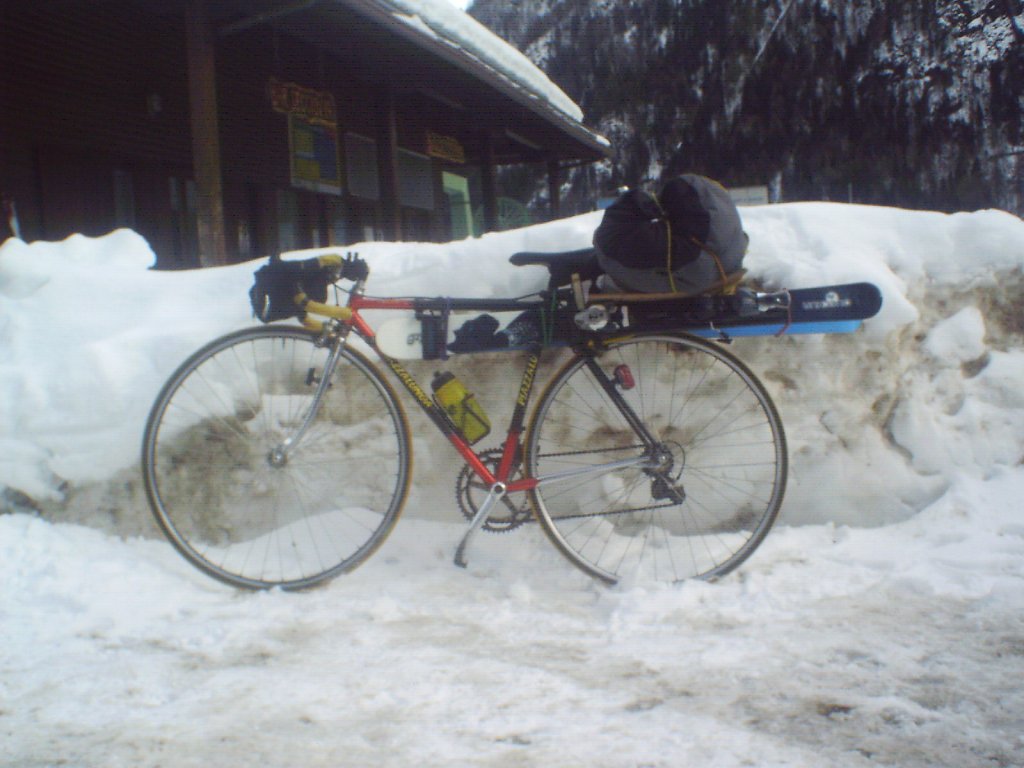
{"type": "Point", "coordinates": [881, 623]}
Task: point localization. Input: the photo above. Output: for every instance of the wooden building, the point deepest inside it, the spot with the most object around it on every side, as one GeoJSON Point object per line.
{"type": "Point", "coordinates": [222, 130]}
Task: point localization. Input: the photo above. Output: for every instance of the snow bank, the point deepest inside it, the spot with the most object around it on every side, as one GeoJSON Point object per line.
{"type": "Point", "coordinates": [833, 647]}
{"type": "Point", "coordinates": [885, 419]}
{"type": "Point", "coordinates": [880, 423]}
{"type": "Point", "coordinates": [88, 330]}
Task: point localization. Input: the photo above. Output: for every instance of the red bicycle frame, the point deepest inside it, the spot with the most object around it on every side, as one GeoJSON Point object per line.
{"type": "Point", "coordinates": [512, 444]}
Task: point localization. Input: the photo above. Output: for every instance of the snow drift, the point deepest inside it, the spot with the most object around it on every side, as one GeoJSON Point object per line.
{"type": "Point", "coordinates": [885, 419]}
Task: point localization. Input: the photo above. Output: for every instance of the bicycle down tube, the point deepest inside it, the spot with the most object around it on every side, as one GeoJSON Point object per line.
{"type": "Point", "coordinates": [512, 440]}
{"type": "Point", "coordinates": [497, 483]}
{"type": "Point", "coordinates": [512, 443]}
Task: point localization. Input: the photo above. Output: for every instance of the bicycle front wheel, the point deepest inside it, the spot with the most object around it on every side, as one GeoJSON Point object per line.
{"type": "Point", "coordinates": [247, 507]}
{"type": "Point", "coordinates": [714, 462]}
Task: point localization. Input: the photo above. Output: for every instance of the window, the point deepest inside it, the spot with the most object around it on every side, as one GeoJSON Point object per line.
{"type": "Point", "coordinates": [287, 221]}
{"type": "Point", "coordinates": [415, 181]}
{"type": "Point", "coordinates": [124, 199]}
{"type": "Point", "coordinates": [337, 223]}
{"type": "Point", "coordinates": [184, 201]}
{"type": "Point", "coordinates": [460, 214]}
{"type": "Point", "coordinates": [361, 167]}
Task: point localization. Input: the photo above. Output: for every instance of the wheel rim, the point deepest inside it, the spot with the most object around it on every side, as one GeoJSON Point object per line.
{"type": "Point", "coordinates": [713, 485]}
{"type": "Point", "coordinates": [238, 507]}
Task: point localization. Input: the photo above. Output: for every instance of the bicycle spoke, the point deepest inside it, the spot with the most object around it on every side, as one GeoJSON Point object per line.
{"type": "Point", "coordinates": [240, 510]}
{"type": "Point", "coordinates": [713, 484]}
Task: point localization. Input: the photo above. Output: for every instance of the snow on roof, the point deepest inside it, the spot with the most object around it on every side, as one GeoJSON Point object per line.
{"type": "Point", "coordinates": [443, 22]}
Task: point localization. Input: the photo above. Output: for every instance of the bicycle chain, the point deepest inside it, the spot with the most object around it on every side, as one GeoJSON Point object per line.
{"type": "Point", "coordinates": [609, 512]}
{"type": "Point", "coordinates": [522, 513]}
{"type": "Point", "coordinates": [581, 453]}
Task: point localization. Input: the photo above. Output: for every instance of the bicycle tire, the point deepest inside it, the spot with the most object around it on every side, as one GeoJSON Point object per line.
{"type": "Point", "coordinates": [706, 509]}
{"type": "Point", "coordinates": [240, 513]}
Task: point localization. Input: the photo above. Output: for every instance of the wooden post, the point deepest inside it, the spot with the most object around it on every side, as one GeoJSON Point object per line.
{"type": "Point", "coordinates": [202, 92]}
{"type": "Point", "coordinates": [489, 187]}
{"type": "Point", "coordinates": [389, 170]}
{"type": "Point", "coordinates": [440, 226]}
{"type": "Point", "coordinates": [554, 187]}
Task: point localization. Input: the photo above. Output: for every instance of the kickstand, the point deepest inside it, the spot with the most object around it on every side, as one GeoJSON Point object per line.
{"type": "Point", "coordinates": [496, 493]}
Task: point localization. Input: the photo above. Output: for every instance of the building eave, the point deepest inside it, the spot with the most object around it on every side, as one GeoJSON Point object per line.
{"type": "Point", "coordinates": [592, 146]}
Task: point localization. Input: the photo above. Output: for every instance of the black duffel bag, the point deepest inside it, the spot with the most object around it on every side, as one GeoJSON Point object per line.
{"type": "Point", "coordinates": [685, 240]}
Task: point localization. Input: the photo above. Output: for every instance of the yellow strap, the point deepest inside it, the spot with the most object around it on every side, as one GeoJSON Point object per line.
{"type": "Point", "coordinates": [330, 259]}
{"type": "Point", "coordinates": [577, 290]}
{"type": "Point", "coordinates": [717, 288]}
{"type": "Point", "coordinates": [668, 247]}
{"type": "Point", "coordinates": [718, 261]}
{"type": "Point", "coordinates": [698, 243]}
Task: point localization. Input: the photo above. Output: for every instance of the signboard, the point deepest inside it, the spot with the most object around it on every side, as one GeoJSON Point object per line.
{"type": "Point", "coordinates": [314, 156]}
{"type": "Point", "coordinates": [312, 135]}
{"type": "Point", "coordinates": [749, 195]}
{"type": "Point", "coordinates": [445, 148]}
{"type": "Point", "coordinates": [317, 107]}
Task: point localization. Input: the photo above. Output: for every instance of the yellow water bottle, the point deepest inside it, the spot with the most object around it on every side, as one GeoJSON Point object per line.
{"type": "Point", "coordinates": [461, 407]}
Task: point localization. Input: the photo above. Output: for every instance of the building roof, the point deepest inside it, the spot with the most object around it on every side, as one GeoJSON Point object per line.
{"type": "Point", "coordinates": [474, 45]}
{"type": "Point", "coordinates": [425, 45]}
{"type": "Point", "coordinates": [454, 35]}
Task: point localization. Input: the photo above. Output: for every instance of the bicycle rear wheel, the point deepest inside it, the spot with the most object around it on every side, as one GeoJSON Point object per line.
{"type": "Point", "coordinates": [714, 479]}
{"type": "Point", "coordinates": [237, 507]}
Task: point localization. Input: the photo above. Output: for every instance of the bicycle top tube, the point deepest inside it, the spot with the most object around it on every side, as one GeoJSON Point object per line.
{"type": "Point", "coordinates": [359, 301]}
{"type": "Point", "coordinates": [567, 316]}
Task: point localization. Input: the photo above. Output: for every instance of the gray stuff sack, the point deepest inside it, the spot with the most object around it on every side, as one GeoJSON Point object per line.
{"type": "Point", "coordinates": [684, 240]}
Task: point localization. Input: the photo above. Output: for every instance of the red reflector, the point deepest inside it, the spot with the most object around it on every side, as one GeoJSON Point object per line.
{"type": "Point", "coordinates": [624, 376]}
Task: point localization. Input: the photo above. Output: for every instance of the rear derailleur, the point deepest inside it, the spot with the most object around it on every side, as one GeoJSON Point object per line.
{"type": "Point", "coordinates": [666, 477]}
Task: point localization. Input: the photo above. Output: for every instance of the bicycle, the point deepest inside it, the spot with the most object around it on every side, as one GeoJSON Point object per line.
{"type": "Point", "coordinates": [280, 455]}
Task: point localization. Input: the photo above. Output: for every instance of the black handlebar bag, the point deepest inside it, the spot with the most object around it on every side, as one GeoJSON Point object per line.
{"type": "Point", "coordinates": [277, 284]}
{"type": "Point", "coordinates": [685, 240]}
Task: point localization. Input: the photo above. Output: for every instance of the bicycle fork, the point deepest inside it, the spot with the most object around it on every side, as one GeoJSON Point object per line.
{"type": "Point", "coordinates": [279, 454]}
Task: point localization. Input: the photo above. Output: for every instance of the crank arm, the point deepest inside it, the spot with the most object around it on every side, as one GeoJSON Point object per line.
{"type": "Point", "coordinates": [496, 494]}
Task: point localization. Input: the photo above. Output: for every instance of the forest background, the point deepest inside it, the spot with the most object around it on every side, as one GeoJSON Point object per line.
{"type": "Point", "coordinates": [910, 103]}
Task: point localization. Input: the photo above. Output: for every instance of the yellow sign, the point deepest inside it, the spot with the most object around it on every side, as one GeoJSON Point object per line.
{"type": "Point", "coordinates": [314, 155]}
{"type": "Point", "coordinates": [316, 107]}
{"type": "Point", "coordinates": [445, 147]}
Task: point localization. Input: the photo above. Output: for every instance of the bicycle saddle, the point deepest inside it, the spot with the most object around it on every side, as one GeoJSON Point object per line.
{"type": "Point", "coordinates": [562, 264]}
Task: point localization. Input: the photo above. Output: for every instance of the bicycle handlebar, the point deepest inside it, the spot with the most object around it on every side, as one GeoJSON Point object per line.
{"type": "Point", "coordinates": [347, 267]}
{"type": "Point", "coordinates": [335, 267]}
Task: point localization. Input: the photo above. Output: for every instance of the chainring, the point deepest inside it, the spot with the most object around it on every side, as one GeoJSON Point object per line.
{"type": "Point", "coordinates": [470, 492]}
